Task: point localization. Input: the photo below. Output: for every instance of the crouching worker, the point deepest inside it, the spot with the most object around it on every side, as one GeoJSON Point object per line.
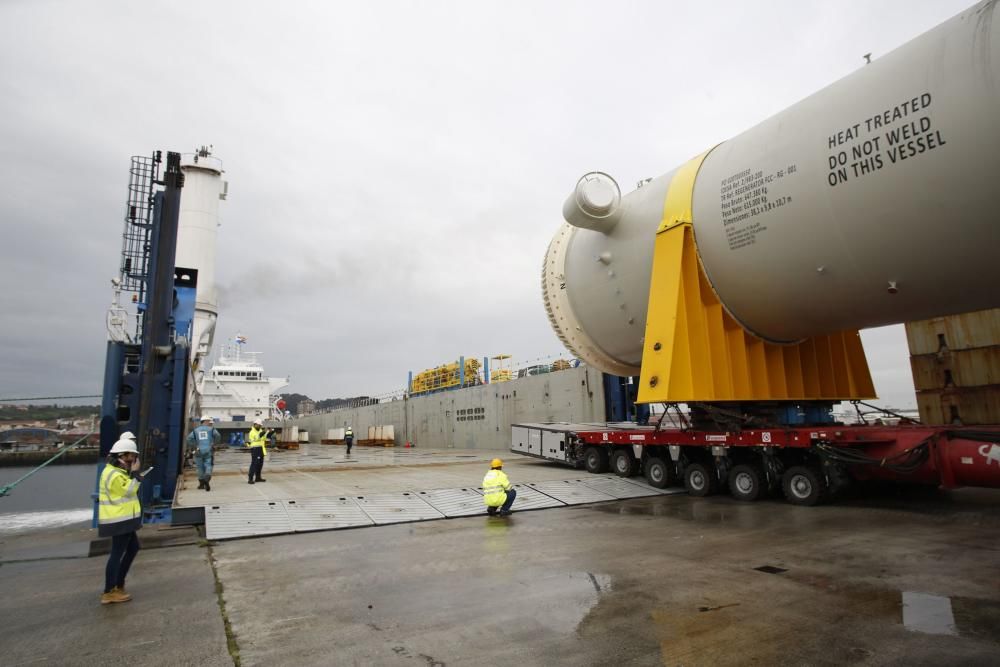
{"type": "Point", "coordinates": [201, 440]}
{"type": "Point", "coordinates": [497, 490]}
{"type": "Point", "coordinates": [119, 516]}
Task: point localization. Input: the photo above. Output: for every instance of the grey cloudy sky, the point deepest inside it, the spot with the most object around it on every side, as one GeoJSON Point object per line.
{"type": "Point", "coordinates": [396, 169]}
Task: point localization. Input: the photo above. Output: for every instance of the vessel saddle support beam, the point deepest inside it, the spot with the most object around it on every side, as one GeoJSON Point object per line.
{"type": "Point", "coordinates": [696, 351]}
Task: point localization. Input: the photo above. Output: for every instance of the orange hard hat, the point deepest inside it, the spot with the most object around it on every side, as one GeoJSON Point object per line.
{"type": "Point", "coordinates": [496, 463]}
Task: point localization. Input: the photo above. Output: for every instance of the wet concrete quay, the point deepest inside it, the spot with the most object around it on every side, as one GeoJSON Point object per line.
{"type": "Point", "coordinates": [889, 579]}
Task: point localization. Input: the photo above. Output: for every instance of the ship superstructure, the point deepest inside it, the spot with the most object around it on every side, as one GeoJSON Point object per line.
{"type": "Point", "coordinates": [235, 388]}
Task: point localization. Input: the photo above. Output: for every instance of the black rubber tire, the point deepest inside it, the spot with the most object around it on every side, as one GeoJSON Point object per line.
{"type": "Point", "coordinates": [658, 473]}
{"type": "Point", "coordinates": [803, 486]}
{"type": "Point", "coordinates": [700, 480]}
{"type": "Point", "coordinates": [747, 482]}
{"type": "Point", "coordinates": [623, 463]}
{"type": "Point", "coordinates": [595, 460]}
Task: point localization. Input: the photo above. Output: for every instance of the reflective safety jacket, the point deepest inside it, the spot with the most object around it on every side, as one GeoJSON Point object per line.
{"type": "Point", "coordinates": [349, 433]}
{"type": "Point", "coordinates": [203, 438]}
{"type": "Point", "coordinates": [257, 439]}
{"type": "Point", "coordinates": [495, 486]}
{"type": "Point", "coordinates": [118, 510]}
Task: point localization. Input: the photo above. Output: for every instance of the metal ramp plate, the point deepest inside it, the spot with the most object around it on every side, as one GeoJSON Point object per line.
{"type": "Point", "coordinates": [622, 488]}
{"type": "Point", "coordinates": [455, 502]}
{"type": "Point", "coordinates": [325, 514]}
{"type": "Point", "coordinates": [396, 508]}
{"type": "Point", "coordinates": [571, 492]}
{"type": "Point", "coordinates": [530, 499]}
{"type": "Point", "coordinates": [258, 517]}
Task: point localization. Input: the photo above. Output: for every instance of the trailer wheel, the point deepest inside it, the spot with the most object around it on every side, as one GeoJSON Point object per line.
{"type": "Point", "coordinates": [623, 463]}
{"type": "Point", "coordinates": [595, 460]}
{"type": "Point", "coordinates": [699, 480]}
{"type": "Point", "coordinates": [658, 472]}
{"type": "Point", "coordinates": [746, 482]}
{"type": "Point", "coordinates": [803, 486]}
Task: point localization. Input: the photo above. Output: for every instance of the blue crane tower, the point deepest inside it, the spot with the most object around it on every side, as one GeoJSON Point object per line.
{"type": "Point", "coordinates": [147, 369]}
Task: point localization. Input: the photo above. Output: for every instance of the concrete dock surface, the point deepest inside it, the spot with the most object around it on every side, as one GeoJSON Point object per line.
{"type": "Point", "coordinates": [890, 578]}
{"type": "Point", "coordinates": [327, 470]}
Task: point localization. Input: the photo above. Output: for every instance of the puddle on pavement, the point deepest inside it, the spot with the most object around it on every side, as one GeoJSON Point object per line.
{"type": "Point", "coordinates": [560, 603]}
{"type": "Point", "coordinates": [675, 507]}
{"type": "Point", "coordinates": [930, 614]}
{"type": "Point", "coordinates": [916, 611]}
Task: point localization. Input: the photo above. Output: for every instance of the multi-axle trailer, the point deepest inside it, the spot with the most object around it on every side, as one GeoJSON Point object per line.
{"type": "Point", "coordinates": [807, 464]}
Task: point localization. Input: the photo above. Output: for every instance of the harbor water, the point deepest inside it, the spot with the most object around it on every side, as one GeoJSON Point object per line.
{"type": "Point", "coordinates": [52, 497]}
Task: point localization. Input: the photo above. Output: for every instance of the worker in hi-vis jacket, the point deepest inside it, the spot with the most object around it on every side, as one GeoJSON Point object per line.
{"type": "Point", "coordinates": [497, 490]}
{"type": "Point", "coordinates": [257, 442]}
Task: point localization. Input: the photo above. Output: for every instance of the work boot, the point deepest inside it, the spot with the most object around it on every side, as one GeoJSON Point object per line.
{"type": "Point", "coordinates": [491, 511]}
{"type": "Point", "coordinates": [115, 595]}
{"type": "Point", "coordinates": [201, 484]}
{"type": "Point", "coordinates": [207, 487]}
{"type": "Point", "coordinates": [505, 512]}
{"type": "Point", "coordinates": [261, 479]}
{"type": "Point", "coordinates": [249, 481]}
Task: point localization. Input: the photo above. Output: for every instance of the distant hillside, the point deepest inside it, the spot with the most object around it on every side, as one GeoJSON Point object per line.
{"type": "Point", "coordinates": [46, 412]}
{"type": "Point", "coordinates": [292, 402]}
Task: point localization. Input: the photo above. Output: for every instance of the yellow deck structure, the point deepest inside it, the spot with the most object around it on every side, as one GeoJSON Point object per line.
{"type": "Point", "coordinates": [447, 376]}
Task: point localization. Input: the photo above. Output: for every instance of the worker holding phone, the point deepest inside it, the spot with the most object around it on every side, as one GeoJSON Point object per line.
{"type": "Point", "coordinates": [257, 442]}
{"type": "Point", "coordinates": [119, 516]}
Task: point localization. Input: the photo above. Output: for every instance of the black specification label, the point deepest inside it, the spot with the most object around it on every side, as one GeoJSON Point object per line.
{"type": "Point", "coordinates": [746, 195]}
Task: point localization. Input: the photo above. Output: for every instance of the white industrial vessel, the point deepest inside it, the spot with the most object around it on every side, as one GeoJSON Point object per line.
{"type": "Point", "coordinates": [196, 238]}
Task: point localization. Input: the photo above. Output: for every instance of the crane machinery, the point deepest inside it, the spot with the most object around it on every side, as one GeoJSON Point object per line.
{"type": "Point", "coordinates": [167, 268]}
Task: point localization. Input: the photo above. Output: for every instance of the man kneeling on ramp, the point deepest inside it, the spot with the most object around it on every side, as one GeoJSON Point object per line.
{"type": "Point", "coordinates": [497, 490]}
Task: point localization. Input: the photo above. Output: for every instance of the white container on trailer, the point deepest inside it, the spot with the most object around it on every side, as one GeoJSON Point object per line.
{"type": "Point", "coordinates": [869, 203]}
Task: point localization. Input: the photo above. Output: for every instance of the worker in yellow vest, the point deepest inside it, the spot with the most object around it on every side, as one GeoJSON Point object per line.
{"type": "Point", "coordinates": [119, 516]}
{"type": "Point", "coordinates": [498, 494]}
{"type": "Point", "coordinates": [257, 442]}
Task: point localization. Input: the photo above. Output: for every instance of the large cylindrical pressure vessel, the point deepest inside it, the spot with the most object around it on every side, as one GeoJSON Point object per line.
{"type": "Point", "coordinates": [196, 237]}
{"type": "Point", "coordinates": [869, 203]}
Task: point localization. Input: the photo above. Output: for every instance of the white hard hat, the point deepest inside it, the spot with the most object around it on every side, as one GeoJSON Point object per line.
{"type": "Point", "coordinates": [127, 435]}
{"type": "Point", "coordinates": [124, 447]}
{"type": "Point", "coordinates": [206, 418]}
{"type": "Point", "coordinates": [258, 422]}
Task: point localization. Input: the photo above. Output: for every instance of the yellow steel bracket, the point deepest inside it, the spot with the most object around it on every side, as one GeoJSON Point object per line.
{"type": "Point", "coordinates": [695, 351]}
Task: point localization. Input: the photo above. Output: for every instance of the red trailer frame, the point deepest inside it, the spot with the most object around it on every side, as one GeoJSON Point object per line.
{"type": "Point", "coordinates": [821, 457]}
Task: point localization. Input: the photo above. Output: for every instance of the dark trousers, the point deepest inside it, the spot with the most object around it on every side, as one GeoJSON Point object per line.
{"type": "Point", "coordinates": [123, 551]}
{"type": "Point", "coordinates": [349, 442]}
{"type": "Point", "coordinates": [511, 494]}
{"type": "Point", "coordinates": [256, 462]}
